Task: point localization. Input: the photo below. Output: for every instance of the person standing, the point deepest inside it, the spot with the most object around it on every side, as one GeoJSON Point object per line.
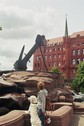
{"type": "Point", "coordinates": [41, 99]}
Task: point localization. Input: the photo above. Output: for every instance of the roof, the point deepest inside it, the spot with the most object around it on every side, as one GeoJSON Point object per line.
{"type": "Point", "coordinates": [59, 40]}
{"type": "Point", "coordinates": [75, 34]}
{"type": "Point", "coordinates": [55, 41]}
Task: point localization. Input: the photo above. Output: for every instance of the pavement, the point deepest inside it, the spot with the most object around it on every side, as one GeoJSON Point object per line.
{"type": "Point", "coordinates": [78, 120]}
{"type": "Point", "coordinates": [78, 117]}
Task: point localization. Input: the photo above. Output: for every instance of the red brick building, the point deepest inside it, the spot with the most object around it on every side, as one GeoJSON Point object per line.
{"type": "Point", "coordinates": [62, 52]}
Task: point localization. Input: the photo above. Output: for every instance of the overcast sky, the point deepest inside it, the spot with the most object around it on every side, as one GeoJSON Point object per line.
{"type": "Point", "coordinates": [22, 20]}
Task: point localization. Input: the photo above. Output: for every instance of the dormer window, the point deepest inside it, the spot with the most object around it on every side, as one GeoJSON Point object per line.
{"type": "Point", "coordinates": [78, 35]}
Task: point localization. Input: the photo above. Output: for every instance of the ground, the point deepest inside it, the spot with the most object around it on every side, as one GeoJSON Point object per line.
{"type": "Point", "coordinates": [78, 118]}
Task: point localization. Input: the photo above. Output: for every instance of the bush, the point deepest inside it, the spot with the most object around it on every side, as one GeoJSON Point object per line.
{"type": "Point", "coordinates": [78, 82]}
{"type": "Point", "coordinates": [55, 70]}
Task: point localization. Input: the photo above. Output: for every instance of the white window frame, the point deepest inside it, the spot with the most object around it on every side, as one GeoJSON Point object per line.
{"type": "Point", "coordinates": [73, 52]}
{"type": "Point", "coordinates": [78, 61]}
{"type": "Point", "coordinates": [59, 64]}
{"type": "Point", "coordinates": [73, 61]}
{"type": "Point", "coordinates": [83, 51]}
{"type": "Point", "coordinates": [78, 51]}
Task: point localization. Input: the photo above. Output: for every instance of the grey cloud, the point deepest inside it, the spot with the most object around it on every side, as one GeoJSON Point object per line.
{"type": "Point", "coordinates": [24, 23]}
{"type": "Point", "coordinates": [20, 27]}
{"type": "Point", "coordinates": [8, 53]}
{"type": "Point", "coordinates": [13, 17]}
{"type": "Point", "coordinates": [23, 32]}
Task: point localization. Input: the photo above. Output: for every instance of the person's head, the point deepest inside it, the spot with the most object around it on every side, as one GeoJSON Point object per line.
{"type": "Point", "coordinates": [32, 99]}
{"type": "Point", "coordinates": [41, 85]}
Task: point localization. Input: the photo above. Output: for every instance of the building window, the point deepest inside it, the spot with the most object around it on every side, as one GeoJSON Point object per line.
{"type": "Point", "coordinates": [59, 64]}
{"type": "Point", "coordinates": [45, 57]}
{"type": "Point", "coordinates": [78, 61]}
{"type": "Point", "coordinates": [50, 57]}
{"type": "Point", "coordinates": [73, 45]}
{"type": "Point", "coordinates": [54, 49]}
{"type": "Point", "coordinates": [83, 51]}
{"type": "Point", "coordinates": [78, 51]}
{"type": "Point", "coordinates": [46, 50]}
{"type": "Point", "coordinates": [54, 56]}
{"type": "Point", "coordinates": [63, 57]}
{"type": "Point", "coordinates": [82, 43]}
{"type": "Point", "coordinates": [59, 55]}
{"type": "Point", "coordinates": [59, 48]}
{"type": "Point", "coordinates": [50, 50]}
{"type": "Point", "coordinates": [73, 52]}
{"type": "Point", "coordinates": [73, 71]}
{"type": "Point", "coordinates": [37, 58]}
{"type": "Point", "coordinates": [50, 64]}
{"type": "Point", "coordinates": [63, 48]}
{"type": "Point", "coordinates": [73, 61]}
{"type": "Point", "coordinates": [54, 64]}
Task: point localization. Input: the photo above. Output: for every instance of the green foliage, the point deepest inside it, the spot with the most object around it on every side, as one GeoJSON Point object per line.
{"type": "Point", "coordinates": [55, 70]}
{"type": "Point", "coordinates": [82, 90]}
{"type": "Point", "coordinates": [80, 69]}
{"type": "Point", "coordinates": [78, 82]}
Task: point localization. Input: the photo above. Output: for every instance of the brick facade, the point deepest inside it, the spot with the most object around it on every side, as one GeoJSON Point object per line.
{"type": "Point", "coordinates": [63, 52]}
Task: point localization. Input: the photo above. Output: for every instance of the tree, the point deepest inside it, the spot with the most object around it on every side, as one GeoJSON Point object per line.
{"type": "Point", "coordinates": [78, 82]}
{"type": "Point", "coordinates": [55, 70]}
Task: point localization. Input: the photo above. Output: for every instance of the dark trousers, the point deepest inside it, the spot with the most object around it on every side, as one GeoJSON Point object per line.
{"type": "Point", "coordinates": [42, 117]}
